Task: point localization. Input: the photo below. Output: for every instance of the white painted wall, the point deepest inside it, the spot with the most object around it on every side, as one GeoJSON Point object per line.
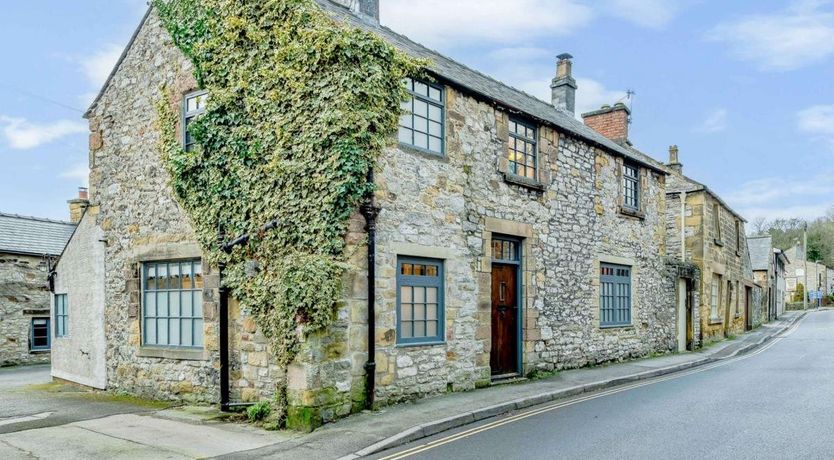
{"type": "Point", "coordinates": [79, 357]}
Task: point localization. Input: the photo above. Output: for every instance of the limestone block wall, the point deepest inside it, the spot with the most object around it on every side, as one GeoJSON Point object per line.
{"type": "Point", "coordinates": [23, 296]}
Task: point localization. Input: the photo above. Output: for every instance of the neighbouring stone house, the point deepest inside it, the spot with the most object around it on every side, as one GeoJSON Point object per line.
{"type": "Point", "coordinates": [704, 230]}
{"type": "Point", "coordinates": [769, 265]}
{"type": "Point", "coordinates": [28, 245]}
{"type": "Point", "coordinates": [510, 238]}
{"type": "Point", "coordinates": [810, 275]}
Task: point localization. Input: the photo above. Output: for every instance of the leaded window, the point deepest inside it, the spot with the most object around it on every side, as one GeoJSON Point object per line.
{"type": "Point", "coordinates": [615, 295]}
{"type": "Point", "coordinates": [631, 186]}
{"type": "Point", "coordinates": [193, 105]}
{"type": "Point", "coordinates": [420, 309]}
{"type": "Point", "coordinates": [61, 316]}
{"type": "Point", "coordinates": [421, 124]}
{"type": "Point", "coordinates": [172, 303]}
{"type": "Point", "coordinates": [521, 149]}
{"type": "Point", "coordinates": [505, 250]}
{"type": "Point", "coordinates": [39, 334]}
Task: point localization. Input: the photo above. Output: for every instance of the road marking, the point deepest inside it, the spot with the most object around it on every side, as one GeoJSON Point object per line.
{"type": "Point", "coordinates": [551, 407]}
{"type": "Point", "coordinates": [25, 418]}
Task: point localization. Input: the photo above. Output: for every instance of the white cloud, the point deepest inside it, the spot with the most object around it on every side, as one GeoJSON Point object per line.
{"type": "Point", "coordinates": [80, 172]}
{"type": "Point", "coordinates": [818, 119]}
{"type": "Point", "coordinates": [799, 36]}
{"type": "Point", "coordinates": [782, 197]}
{"type": "Point", "coordinates": [654, 14]}
{"type": "Point", "coordinates": [97, 66]}
{"type": "Point", "coordinates": [591, 95]}
{"type": "Point", "coordinates": [716, 121]}
{"type": "Point", "coordinates": [441, 22]}
{"type": "Point", "coordinates": [22, 134]}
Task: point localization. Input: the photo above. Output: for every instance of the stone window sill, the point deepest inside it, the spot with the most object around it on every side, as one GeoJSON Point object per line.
{"type": "Point", "coordinates": [39, 352]}
{"type": "Point", "coordinates": [631, 212]}
{"type": "Point", "coordinates": [622, 327]}
{"type": "Point", "coordinates": [716, 321]}
{"type": "Point", "coordinates": [718, 242]}
{"type": "Point", "coordinates": [525, 182]}
{"type": "Point", "coordinates": [422, 152]}
{"type": "Point", "coordinates": [185, 354]}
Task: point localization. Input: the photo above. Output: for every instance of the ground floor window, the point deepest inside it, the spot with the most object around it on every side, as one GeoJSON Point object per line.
{"type": "Point", "coordinates": [715, 289]}
{"type": "Point", "coordinates": [61, 315]}
{"type": "Point", "coordinates": [419, 300]}
{"type": "Point", "coordinates": [39, 333]}
{"type": "Point", "coordinates": [614, 295]}
{"type": "Point", "coordinates": [172, 303]}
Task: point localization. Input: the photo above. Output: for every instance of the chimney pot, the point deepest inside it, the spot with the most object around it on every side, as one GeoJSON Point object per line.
{"type": "Point", "coordinates": [78, 205]}
{"type": "Point", "coordinates": [82, 193]}
{"type": "Point", "coordinates": [563, 87]}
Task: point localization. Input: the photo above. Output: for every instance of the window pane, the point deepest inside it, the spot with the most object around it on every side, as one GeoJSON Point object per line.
{"type": "Point", "coordinates": [405, 294]}
{"type": "Point", "coordinates": [407, 312]}
{"type": "Point", "coordinates": [421, 108]}
{"type": "Point", "coordinates": [419, 295]}
{"type": "Point", "coordinates": [431, 328]}
{"type": "Point", "coordinates": [174, 275]}
{"type": "Point", "coordinates": [187, 332]}
{"type": "Point", "coordinates": [431, 311]}
{"type": "Point", "coordinates": [421, 124]}
{"type": "Point", "coordinates": [435, 144]}
{"type": "Point", "coordinates": [419, 311]}
{"type": "Point", "coordinates": [419, 329]}
{"type": "Point", "coordinates": [174, 332]}
{"type": "Point", "coordinates": [404, 136]}
{"type": "Point", "coordinates": [162, 331]}
{"type": "Point", "coordinates": [187, 302]}
{"type": "Point", "coordinates": [434, 93]}
{"type": "Point", "coordinates": [421, 88]}
{"type": "Point", "coordinates": [198, 333]}
{"type": "Point", "coordinates": [435, 113]}
{"type": "Point", "coordinates": [431, 294]}
{"type": "Point", "coordinates": [162, 304]}
{"type": "Point", "coordinates": [431, 270]}
{"type": "Point", "coordinates": [434, 129]}
{"type": "Point", "coordinates": [406, 331]}
{"type": "Point", "coordinates": [421, 140]}
{"type": "Point", "coordinates": [162, 276]}
{"type": "Point", "coordinates": [405, 120]}
{"type": "Point", "coordinates": [150, 331]}
{"type": "Point", "coordinates": [197, 304]}
{"type": "Point", "coordinates": [150, 281]}
{"type": "Point", "coordinates": [174, 301]}
{"type": "Point", "coordinates": [150, 304]}
{"type": "Point", "coordinates": [407, 269]}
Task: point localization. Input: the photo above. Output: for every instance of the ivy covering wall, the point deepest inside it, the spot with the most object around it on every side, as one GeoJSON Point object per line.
{"type": "Point", "coordinates": [300, 107]}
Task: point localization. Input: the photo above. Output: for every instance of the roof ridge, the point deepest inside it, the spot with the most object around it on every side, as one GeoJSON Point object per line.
{"type": "Point", "coordinates": [38, 219]}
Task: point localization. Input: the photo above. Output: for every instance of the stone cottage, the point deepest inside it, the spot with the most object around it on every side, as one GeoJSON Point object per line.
{"type": "Point", "coordinates": [28, 247]}
{"type": "Point", "coordinates": [804, 275]}
{"type": "Point", "coordinates": [508, 238]}
{"type": "Point", "coordinates": [704, 230]}
{"type": "Point", "coordinates": [769, 268]}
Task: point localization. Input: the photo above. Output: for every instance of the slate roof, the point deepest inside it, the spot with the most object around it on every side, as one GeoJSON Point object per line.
{"type": "Point", "coordinates": [761, 250]}
{"type": "Point", "coordinates": [692, 185]}
{"type": "Point", "coordinates": [33, 235]}
{"type": "Point", "coordinates": [459, 75]}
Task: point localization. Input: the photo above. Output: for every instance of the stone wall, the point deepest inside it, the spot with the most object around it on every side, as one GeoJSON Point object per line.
{"type": "Point", "coordinates": [23, 295]}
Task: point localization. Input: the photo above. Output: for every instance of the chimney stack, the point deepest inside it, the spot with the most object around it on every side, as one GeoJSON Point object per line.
{"type": "Point", "coordinates": [365, 9]}
{"type": "Point", "coordinates": [78, 205]}
{"type": "Point", "coordinates": [611, 122]}
{"type": "Point", "coordinates": [563, 87]}
{"type": "Point", "coordinates": [674, 160]}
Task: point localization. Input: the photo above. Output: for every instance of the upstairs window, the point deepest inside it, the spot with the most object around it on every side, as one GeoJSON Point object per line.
{"type": "Point", "coordinates": [738, 238]}
{"type": "Point", "coordinates": [172, 303]}
{"type": "Point", "coordinates": [521, 149]}
{"type": "Point", "coordinates": [61, 315]}
{"type": "Point", "coordinates": [421, 124]}
{"type": "Point", "coordinates": [716, 223]}
{"type": "Point", "coordinates": [614, 295]}
{"type": "Point", "coordinates": [193, 105]}
{"type": "Point", "coordinates": [631, 187]}
{"type": "Point", "coordinates": [715, 288]}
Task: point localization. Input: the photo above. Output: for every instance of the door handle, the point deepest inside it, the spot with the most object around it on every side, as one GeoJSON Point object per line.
{"type": "Point", "coordinates": [502, 291]}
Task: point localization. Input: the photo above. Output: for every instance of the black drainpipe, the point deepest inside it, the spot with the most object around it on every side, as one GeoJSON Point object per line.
{"type": "Point", "coordinates": [225, 404]}
{"type": "Point", "coordinates": [371, 212]}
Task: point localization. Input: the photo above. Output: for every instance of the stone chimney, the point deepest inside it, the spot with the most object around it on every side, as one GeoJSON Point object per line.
{"type": "Point", "coordinates": [563, 87]}
{"type": "Point", "coordinates": [78, 205]}
{"type": "Point", "coordinates": [674, 161]}
{"type": "Point", "coordinates": [366, 9]}
{"type": "Point", "coordinates": [611, 122]}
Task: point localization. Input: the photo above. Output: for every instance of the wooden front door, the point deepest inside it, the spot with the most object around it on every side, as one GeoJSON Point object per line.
{"type": "Point", "coordinates": [748, 308]}
{"type": "Point", "coordinates": [504, 354]}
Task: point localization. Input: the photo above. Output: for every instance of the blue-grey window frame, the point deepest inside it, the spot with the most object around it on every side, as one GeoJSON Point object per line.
{"type": "Point", "coordinates": [61, 316]}
{"type": "Point", "coordinates": [429, 101]}
{"type": "Point", "coordinates": [422, 281]}
{"type": "Point", "coordinates": [32, 346]}
{"type": "Point", "coordinates": [615, 318]}
{"type": "Point", "coordinates": [186, 115]}
{"type": "Point", "coordinates": [143, 314]}
{"type": "Point", "coordinates": [634, 180]}
{"type": "Point", "coordinates": [534, 140]}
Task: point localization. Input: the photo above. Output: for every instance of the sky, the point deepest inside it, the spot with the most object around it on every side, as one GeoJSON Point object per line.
{"type": "Point", "coordinates": [744, 88]}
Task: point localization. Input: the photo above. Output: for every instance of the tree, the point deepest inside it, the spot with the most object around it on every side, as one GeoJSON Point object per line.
{"type": "Point", "coordinates": [799, 294]}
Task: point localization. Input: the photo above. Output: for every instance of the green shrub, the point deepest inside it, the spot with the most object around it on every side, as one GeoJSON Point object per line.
{"type": "Point", "coordinates": [259, 411]}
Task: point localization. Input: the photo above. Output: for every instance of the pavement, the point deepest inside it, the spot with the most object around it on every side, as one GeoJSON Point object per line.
{"type": "Point", "coordinates": [773, 402]}
{"type": "Point", "coordinates": [83, 424]}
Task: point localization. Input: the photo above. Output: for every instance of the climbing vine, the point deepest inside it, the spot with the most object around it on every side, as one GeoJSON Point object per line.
{"type": "Point", "coordinates": [300, 107]}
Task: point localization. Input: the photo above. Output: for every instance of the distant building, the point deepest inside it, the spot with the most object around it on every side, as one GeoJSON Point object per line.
{"type": "Point", "coordinates": [769, 268]}
{"type": "Point", "coordinates": [812, 276]}
{"type": "Point", "coordinates": [28, 247]}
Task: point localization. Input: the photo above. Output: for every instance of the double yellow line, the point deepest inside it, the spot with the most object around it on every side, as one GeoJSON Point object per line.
{"type": "Point", "coordinates": [559, 405]}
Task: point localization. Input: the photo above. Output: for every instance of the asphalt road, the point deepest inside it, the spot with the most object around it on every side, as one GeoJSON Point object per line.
{"type": "Point", "coordinates": [28, 400]}
{"type": "Point", "coordinates": [777, 402]}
